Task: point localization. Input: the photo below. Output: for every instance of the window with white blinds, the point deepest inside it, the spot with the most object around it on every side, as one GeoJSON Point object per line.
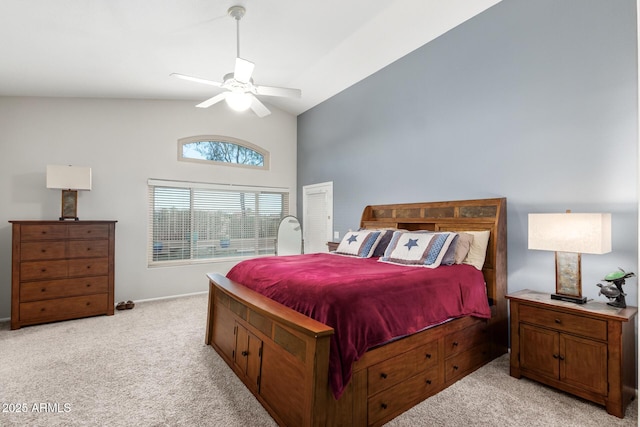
{"type": "Point", "coordinates": [194, 222]}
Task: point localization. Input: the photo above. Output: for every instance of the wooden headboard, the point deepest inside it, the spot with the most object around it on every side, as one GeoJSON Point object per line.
{"type": "Point", "coordinates": [460, 215]}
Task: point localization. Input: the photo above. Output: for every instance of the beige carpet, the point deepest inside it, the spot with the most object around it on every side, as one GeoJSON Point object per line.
{"type": "Point", "coordinates": [149, 367]}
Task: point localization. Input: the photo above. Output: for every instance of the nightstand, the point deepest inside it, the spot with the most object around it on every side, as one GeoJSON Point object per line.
{"type": "Point", "coordinates": [587, 350]}
{"type": "Point", "coordinates": [333, 246]}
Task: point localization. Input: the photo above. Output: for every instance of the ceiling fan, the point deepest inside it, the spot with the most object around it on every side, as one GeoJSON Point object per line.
{"type": "Point", "coordinates": [240, 91]}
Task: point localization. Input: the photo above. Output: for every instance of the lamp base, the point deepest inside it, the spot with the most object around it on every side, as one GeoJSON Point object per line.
{"type": "Point", "coordinates": [568, 298]}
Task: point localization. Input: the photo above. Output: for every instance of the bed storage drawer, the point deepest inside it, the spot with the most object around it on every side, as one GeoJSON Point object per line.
{"type": "Point", "coordinates": [465, 339]}
{"type": "Point", "coordinates": [397, 369]}
{"type": "Point", "coordinates": [462, 363]}
{"type": "Point", "coordinates": [388, 403]}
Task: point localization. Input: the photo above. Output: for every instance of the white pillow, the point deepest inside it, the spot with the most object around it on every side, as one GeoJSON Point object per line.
{"type": "Point", "coordinates": [478, 250]}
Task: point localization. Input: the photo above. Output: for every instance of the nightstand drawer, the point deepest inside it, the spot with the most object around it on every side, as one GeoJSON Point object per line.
{"type": "Point", "coordinates": [88, 248]}
{"type": "Point", "coordinates": [49, 289]}
{"type": "Point", "coordinates": [42, 250]}
{"type": "Point", "coordinates": [56, 309]}
{"type": "Point", "coordinates": [392, 371]}
{"type": "Point", "coordinates": [579, 325]}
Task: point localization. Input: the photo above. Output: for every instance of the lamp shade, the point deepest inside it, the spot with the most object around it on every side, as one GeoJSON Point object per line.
{"type": "Point", "coordinates": [585, 233]}
{"type": "Point", "coordinates": [69, 177]}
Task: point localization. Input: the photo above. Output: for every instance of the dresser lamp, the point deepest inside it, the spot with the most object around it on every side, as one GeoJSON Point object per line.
{"type": "Point", "coordinates": [69, 179]}
{"type": "Point", "coordinates": [570, 235]}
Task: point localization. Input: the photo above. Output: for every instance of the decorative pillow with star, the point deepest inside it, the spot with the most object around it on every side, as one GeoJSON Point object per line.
{"type": "Point", "coordinates": [418, 249]}
{"type": "Point", "coordinates": [360, 243]}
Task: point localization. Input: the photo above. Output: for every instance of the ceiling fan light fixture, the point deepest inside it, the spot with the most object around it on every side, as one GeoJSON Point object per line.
{"type": "Point", "coordinates": [238, 101]}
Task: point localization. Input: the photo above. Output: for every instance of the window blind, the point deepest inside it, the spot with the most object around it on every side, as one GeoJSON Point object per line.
{"type": "Point", "coordinates": [195, 222]}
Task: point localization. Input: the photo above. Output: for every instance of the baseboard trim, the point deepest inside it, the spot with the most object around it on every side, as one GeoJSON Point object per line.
{"type": "Point", "coordinates": [170, 297]}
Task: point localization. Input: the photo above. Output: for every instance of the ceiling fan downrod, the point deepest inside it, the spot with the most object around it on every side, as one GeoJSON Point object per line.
{"type": "Point", "coordinates": [237, 12]}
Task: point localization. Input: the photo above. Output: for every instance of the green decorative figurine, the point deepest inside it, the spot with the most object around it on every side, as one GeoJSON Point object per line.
{"type": "Point", "coordinates": [613, 289]}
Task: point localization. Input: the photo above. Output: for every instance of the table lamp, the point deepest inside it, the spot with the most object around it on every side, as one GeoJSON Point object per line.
{"type": "Point", "coordinates": [69, 179]}
{"type": "Point", "coordinates": [570, 235]}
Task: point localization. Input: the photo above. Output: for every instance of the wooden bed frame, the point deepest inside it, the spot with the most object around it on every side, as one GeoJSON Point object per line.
{"type": "Point", "coordinates": [282, 356]}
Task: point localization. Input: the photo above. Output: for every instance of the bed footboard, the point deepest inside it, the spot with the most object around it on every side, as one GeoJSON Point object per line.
{"type": "Point", "coordinates": [282, 357]}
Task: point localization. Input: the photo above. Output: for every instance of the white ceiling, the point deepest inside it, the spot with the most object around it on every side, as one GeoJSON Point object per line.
{"type": "Point", "coordinates": [128, 48]}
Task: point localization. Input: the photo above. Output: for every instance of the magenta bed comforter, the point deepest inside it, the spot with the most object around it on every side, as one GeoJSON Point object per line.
{"type": "Point", "coordinates": [366, 302]}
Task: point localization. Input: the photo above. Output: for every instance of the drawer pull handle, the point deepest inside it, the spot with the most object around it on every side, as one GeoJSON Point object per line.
{"type": "Point", "coordinates": [555, 356]}
{"type": "Point", "coordinates": [455, 367]}
{"type": "Point", "coordinates": [561, 357]}
{"type": "Point", "coordinates": [558, 321]}
{"type": "Point", "coordinates": [455, 343]}
{"type": "Point", "coordinates": [43, 290]}
{"type": "Point", "coordinates": [88, 285]}
{"type": "Point", "coordinates": [383, 405]}
{"type": "Point", "coordinates": [88, 267]}
{"type": "Point", "coordinates": [88, 303]}
{"type": "Point", "coordinates": [42, 310]}
{"type": "Point", "coordinates": [43, 250]}
{"type": "Point", "coordinates": [44, 232]}
{"type": "Point", "coordinates": [383, 375]}
{"type": "Point", "coordinates": [428, 355]}
{"type": "Point", "coordinates": [245, 353]}
{"type": "Point", "coordinates": [44, 270]}
{"type": "Point", "coordinates": [429, 382]}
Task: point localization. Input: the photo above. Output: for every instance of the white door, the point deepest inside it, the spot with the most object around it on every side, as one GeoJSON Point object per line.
{"type": "Point", "coordinates": [317, 222]}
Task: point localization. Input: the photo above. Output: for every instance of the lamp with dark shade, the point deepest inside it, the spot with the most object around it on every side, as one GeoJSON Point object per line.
{"type": "Point", "coordinates": [69, 179]}
{"type": "Point", "coordinates": [570, 235]}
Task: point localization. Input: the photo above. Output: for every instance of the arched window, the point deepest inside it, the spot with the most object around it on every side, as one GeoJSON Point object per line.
{"type": "Point", "coordinates": [222, 150]}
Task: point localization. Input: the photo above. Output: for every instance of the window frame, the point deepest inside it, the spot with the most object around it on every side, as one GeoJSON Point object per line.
{"type": "Point", "coordinates": [257, 190]}
{"type": "Point", "coordinates": [228, 139]}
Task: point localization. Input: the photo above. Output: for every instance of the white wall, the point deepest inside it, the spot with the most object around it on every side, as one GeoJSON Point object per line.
{"type": "Point", "coordinates": [125, 142]}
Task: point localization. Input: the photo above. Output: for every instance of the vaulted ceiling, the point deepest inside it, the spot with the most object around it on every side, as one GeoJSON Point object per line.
{"type": "Point", "coordinates": [128, 48]}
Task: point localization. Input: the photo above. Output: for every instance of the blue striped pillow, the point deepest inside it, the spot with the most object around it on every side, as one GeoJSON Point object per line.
{"type": "Point", "coordinates": [418, 249]}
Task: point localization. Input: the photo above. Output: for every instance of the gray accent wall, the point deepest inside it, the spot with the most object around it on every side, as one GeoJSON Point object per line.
{"type": "Point", "coordinates": [535, 101]}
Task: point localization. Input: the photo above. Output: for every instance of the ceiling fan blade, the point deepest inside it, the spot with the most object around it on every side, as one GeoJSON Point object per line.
{"type": "Point", "coordinates": [278, 91]}
{"type": "Point", "coordinates": [243, 70]}
{"type": "Point", "coordinates": [259, 108]}
{"type": "Point", "coordinates": [213, 100]}
{"type": "Point", "coordinates": [196, 79]}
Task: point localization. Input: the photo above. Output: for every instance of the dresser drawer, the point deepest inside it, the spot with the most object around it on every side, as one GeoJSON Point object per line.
{"type": "Point", "coordinates": [465, 339]}
{"type": "Point", "coordinates": [395, 370]}
{"type": "Point", "coordinates": [460, 364]}
{"type": "Point", "coordinates": [404, 395]}
{"type": "Point", "coordinates": [43, 232]}
{"type": "Point", "coordinates": [88, 267]}
{"type": "Point", "coordinates": [88, 248]}
{"type": "Point", "coordinates": [63, 308]}
{"type": "Point", "coordinates": [42, 250]}
{"type": "Point", "coordinates": [40, 270]}
{"type": "Point", "coordinates": [88, 231]}
{"type": "Point", "coordinates": [49, 289]}
{"type": "Point", "coordinates": [566, 322]}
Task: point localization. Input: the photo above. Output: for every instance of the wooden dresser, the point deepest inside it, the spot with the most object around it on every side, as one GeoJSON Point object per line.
{"type": "Point", "coordinates": [587, 350]}
{"type": "Point", "coordinates": [61, 270]}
